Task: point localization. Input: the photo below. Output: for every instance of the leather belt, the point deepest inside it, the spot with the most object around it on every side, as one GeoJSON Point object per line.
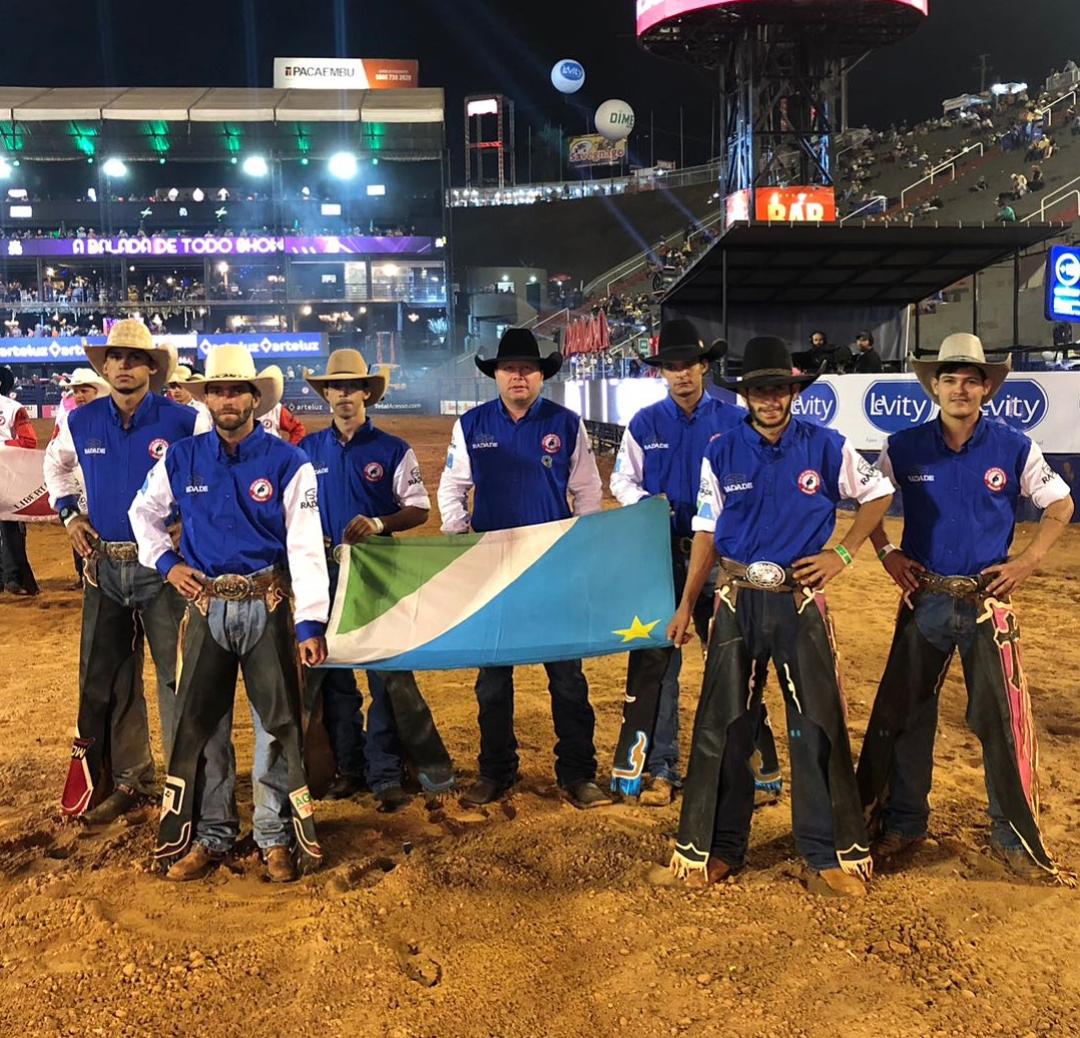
{"type": "Point", "coordinates": [235, 587]}
{"type": "Point", "coordinates": [958, 587]}
{"type": "Point", "coordinates": [119, 551]}
{"type": "Point", "coordinates": [760, 576]}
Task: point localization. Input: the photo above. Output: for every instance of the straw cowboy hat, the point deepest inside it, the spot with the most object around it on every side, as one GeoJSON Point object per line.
{"type": "Point", "coordinates": [234, 364]}
{"type": "Point", "coordinates": [87, 377]}
{"type": "Point", "coordinates": [182, 374]}
{"type": "Point", "coordinates": [680, 341]}
{"type": "Point", "coordinates": [767, 362]}
{"type": "Point", "coordinates": [520, 344]}
{"type": "Point", "coordinates": [962, 348]}
{"type": "Point", "coordinates": [348, 366]}
{"type": "Point", "coordinates": [130, 334]}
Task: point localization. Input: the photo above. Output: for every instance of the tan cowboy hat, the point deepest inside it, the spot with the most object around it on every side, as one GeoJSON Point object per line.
{"type": "Point", "coordinates": [230, 363]}
{"type": "Point", "coordinates": [962, 348]}
{"type": "Point", "coordinates": [348, 365]}
{"type": "Point", "coordinates": [88, 377]}
{"type": "Point", "coordinates": [181, 374]}
{"type": "Point", "coordinates": [131, 334]}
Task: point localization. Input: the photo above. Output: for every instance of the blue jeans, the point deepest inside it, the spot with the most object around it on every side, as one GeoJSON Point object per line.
{"type": "Point", "coordinates": [947, 624]}
{"type": "Point", "coordinates": [382, 746]}
{"type": "Point", "coordinates": [663, 759]}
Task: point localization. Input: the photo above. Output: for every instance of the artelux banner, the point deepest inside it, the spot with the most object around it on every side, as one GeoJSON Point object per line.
{"type": "Point", "coordinates": [588, 586]}
{"type": "Point", "coordinates": [23, 497]}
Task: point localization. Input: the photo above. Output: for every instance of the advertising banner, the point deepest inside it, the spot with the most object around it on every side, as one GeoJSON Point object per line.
{"type": "Point", "coordinates": [277, 346]}
{"type": "Point", "coordinates": [207, 245]}
{"type": "Point", "coordinates": [594, 150]}
{"type": "Point", "coordinates": [345, 73]}
{"type": "Point", "coordinates": [813, 204]}
{"type": "Point", "coordinates": [69, 349]}
{"type": "Point", "coordinates": [1063, 284]}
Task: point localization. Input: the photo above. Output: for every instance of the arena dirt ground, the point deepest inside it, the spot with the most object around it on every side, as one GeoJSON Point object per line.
{"type": "Point", "coordinates": [531, 919]}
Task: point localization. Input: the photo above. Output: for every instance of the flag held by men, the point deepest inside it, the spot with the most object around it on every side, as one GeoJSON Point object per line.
{"type": "Point", "coordinates": [585, 586]}
{"type": "Point", "coordinates": [23, 497]}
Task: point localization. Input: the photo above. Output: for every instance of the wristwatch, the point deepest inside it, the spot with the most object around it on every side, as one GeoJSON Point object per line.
{"type": "Point", "coordinates": [67, 514]}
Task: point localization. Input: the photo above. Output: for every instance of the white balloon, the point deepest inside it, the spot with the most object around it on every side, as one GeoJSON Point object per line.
{"type": "Point", "coordinates": [568, 76]}
{"type": "Point", "coordinates": [614, 120]}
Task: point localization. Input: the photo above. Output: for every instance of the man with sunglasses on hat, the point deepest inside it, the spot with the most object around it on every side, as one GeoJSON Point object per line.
{"type": "Point", "coordinates": [961, 477]}
{"type": "Point", "coordinates": [369, 485]}
{"type": "Point", "coordinates": [253, 570]}
{"type": "Point", "coordinates": [766, 509]}
{"type": "Point", "coordinates": [520, 456]}
{"type": "Point", "coordinates": [660, 453]}
{"type": "Point", "coordinates": [114, 441]}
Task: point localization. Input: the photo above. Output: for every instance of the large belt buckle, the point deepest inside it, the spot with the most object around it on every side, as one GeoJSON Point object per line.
{"type": "Point", "coordinates": [960, 586]}
{"type": "Point", "coordinates": [765, 575]}
{"type": "Point", "coordinates": [232, 586]}
{"type": "Point", "coordinates": [685, 544]}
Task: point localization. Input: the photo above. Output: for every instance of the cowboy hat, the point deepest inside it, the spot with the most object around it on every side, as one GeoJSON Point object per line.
{"type": "Point", "coordinates": [87, 377]}
{"type": "Point", "coordinates": [132, 334]}
{"type": "Point", "coordinates": [520, 344]}
{"type": "Point", "coordinates": [767, 362]}
{"type": "Point", "coordinates": [348, 366]}
{"type": "Point", "coordinates": [962, 348]}
{"type": "Point", "coordinates": [232, 363]}
{"type": "Point", "coordinates": [680, 341]}
{"type": "Point", "coordinates": [181, 374]}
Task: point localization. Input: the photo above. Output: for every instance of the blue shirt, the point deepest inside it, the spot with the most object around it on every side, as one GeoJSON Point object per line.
{"type": "Point", "coordinates": [960, 506]}
{"type": "Point", "coordinates": [241, 513]}
{"type": "Point", "coordinates": [373, 474]}
{"type": "Point", "coordinates": [114, 460]}
{"type": "Point", "coordinates": [777, 502]}
{"type": "Point", "coordinates": [661, 453]}
{"type": "Point", "coordinates": [521, 471]}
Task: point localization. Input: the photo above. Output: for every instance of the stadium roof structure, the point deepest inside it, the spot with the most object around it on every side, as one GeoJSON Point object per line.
{"type": "Point", "coordinates": [830, 265]}
{"type": "Point", "coordinates": [214, 122]}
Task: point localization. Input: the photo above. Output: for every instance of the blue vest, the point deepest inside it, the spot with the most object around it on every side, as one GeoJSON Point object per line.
{"type": "Point", "coordinates": [959, 506]}
{"type": "Point", "coordinates": [779, 500]}
{"type": "Point", "coordinates": [355, 478]}
{"type": "Point", "coordinates": [520, 470]}
{"type": "Point", "coordinates": [674, 444]}
{"type": "Point", "coordinates": [115, 460]}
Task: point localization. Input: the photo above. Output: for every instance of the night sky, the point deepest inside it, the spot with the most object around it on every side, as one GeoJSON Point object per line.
{"type": "Point", "coordinates": [469, 46]}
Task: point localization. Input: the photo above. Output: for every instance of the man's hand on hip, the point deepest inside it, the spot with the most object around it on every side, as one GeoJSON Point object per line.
{"type": "Point", "coordinates": [189, 582]}
{"type": "Point", "coordinates": [313, 651]}
{"type": "Point", "coordinates": [83, 536]}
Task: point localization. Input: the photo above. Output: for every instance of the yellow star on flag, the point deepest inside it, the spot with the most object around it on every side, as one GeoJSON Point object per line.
{"type": "Point", "coordinates": [636, 630]}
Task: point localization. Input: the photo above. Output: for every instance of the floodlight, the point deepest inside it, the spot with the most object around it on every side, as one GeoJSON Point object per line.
{"type": "Point", "coordinates": [342, 165]}
{"type": "Point", "coordinates": [256, 166]}
{"type": "Point", "coordinates": [114, 168]}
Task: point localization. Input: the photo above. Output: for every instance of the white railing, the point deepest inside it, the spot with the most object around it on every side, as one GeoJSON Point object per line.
{"type": "Point", "coordinates": [565, 190]}
{"type": "Point", "coordinates": [938, 170]}
{"type": "Point", "coordinates": [1059, 194]}
{"type": "Point", "coordinates": [876, 200]}
{"type": "Point", "coordinates": [641, 260]}
{"type": "Point", "coordinates": [536, 322]}
{"type": "Point", "coordinates": [1048, 111]}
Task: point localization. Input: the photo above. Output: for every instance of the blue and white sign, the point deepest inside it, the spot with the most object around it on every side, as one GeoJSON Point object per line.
{"type": "Point", "coordinates": [1021, 402]}
{"type": "Point", "coordinates": [277, 346]}
{"type": "Point", "coordinates": [67, 350]}
{"type": "Point", "coordinates": [817, 403]}
{"type": "Point", "coordinates": [1063, 284]}
{"type": "Point", "coordinates": [568, 76]}
{"type": "Point", "coordinates": [891, 405]}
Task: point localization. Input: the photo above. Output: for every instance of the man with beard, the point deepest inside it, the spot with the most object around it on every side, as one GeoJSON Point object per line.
{"type": "Point", "coordinates": [962, 476]}
{"type": "Point", "coordinates": [369, 485]}
{"type": "Point", "coordinates": [252, 538]}
{"type": "Point", "coordinates": [115, 440]}
{"type": "Point", "coordinates": [766, 509]}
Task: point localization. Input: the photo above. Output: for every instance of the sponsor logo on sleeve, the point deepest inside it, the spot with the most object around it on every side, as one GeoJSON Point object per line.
{"type": "Point", "coordinates": [415, 478]}
{"type": "Point", "coordinates": [867, 472]}
{"type": "Point", "coordinates": [261, 490]}
{"type": "Point", "coordinates": [809, 482]}
{"type": "Point", "coordinates": [311, 499]}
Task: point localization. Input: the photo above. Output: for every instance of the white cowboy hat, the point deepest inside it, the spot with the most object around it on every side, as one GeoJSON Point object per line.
{"type": "Point", "coordinates": [347, 366]}
{"type": "Point", "coordinates": [962, 348]}
{"type": "Point", "coordinates": [234, 364]}
{"type": "Point", "coordinates": [131, 334]}
{"type": "Point", "coordinates": [181, 374]}
{"type": "Point", "coordinates": [87, 377]}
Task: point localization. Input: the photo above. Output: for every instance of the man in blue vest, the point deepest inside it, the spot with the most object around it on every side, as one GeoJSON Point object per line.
{"type": "Point", "coordinates": [252, 566]}
{"type": "Point", "coordinates": [961, 476]}
{"type": "Point", "coordinates": [766, 509]}
{"type": "Point", "coordinates": [369, 485]}
{"type": "Point", "coordinates": [661, 453]}
{"type": "Point", "coordinates": [521, 455]}
{"type": "Point", "coordinates": [116, 440]}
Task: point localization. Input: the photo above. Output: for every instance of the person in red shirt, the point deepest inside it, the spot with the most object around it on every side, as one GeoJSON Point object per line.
{"type": "Point", "coordinates": [16, 576]}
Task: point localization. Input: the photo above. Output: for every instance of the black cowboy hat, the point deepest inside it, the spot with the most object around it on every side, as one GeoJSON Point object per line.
{"type": "Point", "coordinates": [679, 340]}
{"type": "Point", "coordinates": [767, 362]}
{"type": "Point", "coordinates": [520, 344]}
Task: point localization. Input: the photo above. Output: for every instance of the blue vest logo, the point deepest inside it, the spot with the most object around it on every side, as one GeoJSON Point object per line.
{"type": "Point", "coordinates": [816, 403]}
{"type": "Point", "coordinates": [893, 406]}
{"type": "Point", "coordinates": [1020, 402]}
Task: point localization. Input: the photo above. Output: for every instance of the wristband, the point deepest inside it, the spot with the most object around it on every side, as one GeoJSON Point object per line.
{"type": "Point", "coordinates": [885, 551]}
{"type": "Point", "coordinates": [67, 514]}
{"type": "Point", "coordinates": [844, 554]}
{"type": "Point", "coordinates": [379, 524]}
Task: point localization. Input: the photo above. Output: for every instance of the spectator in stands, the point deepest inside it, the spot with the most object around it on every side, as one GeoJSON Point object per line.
{"type": "Point", "coordinates": [822, 355]}
{"type": "Point", "coordinates": [867, 360]}
{"type": "Point", "coordinates": [1036, 181]}
{"type": "Point", "coordinates": [1006, 214]}
{"type": "Point", "coordinates": [981, 185]}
